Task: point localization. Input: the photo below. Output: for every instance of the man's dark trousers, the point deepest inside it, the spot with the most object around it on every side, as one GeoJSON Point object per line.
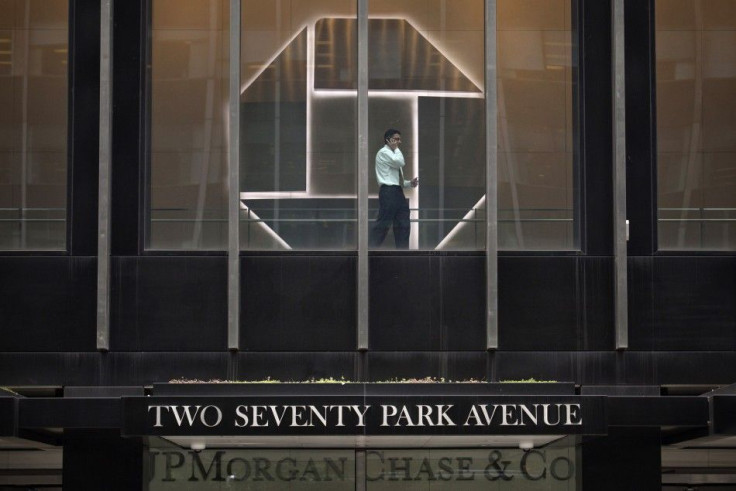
{"type": "Point", "coordinates": [392, 210]}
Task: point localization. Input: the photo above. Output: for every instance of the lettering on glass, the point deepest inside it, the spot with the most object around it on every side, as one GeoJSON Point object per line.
{"type": "Point", "coordinates": [169, 468]}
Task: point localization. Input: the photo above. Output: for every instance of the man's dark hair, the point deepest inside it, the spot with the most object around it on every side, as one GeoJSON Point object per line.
{"type": "Point", "coordinates": [389, 133]}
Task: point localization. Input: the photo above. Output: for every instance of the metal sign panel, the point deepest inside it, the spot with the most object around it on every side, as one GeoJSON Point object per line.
{"type": "Point", "coordinates": [364, 415]}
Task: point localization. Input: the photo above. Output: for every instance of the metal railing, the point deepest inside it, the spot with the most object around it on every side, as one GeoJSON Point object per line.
{"type": "Point", "coordinates": [701, 212]}
{"type": "Point", "coordinates": [700, 228]}
{"type": "Point", "coordinates": [22, 214]}
{"type": "Point", "coordinates": [433, 225]}
{"type": "Point", "coordinates": [32, 228]}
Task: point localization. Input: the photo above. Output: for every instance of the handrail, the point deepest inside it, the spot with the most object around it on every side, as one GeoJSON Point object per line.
{"type": "Point", "coordinates": [353, 220]}
{"type": "Point", "coordinates": [698, 209]}
{"type": "Point", "coordinates": [696, 220]}
{"type": "Point", "coordinates": [32, 219]}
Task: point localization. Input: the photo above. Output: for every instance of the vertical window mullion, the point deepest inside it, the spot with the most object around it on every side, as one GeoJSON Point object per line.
{"type": "Point", "coordinates": [363, 165]}
{"type": "Point", "coordinates": [233, 250]}
{"type": "Point", "coordinates": [491, 181]}
{"type": "Point", "coordinates": [105, 173]}
{"type": "Point", "coordinates": [619, 169]}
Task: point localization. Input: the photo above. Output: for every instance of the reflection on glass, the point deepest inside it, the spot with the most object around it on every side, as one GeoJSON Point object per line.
{"type": "Point", "coordinates": [298, 141]}
{"type": "Point", "coordinates": [696, 124]}
{"type": "Point", "coordinates": [175, 469]}
{"type": "Point", "coordinates": [33, 124]}
{"type": "Point", "coordinates": [535, 133]}
{"type": "Point", "coordinates": [189, 82]}
{"type": "Point", "coordinates": [550, 469]}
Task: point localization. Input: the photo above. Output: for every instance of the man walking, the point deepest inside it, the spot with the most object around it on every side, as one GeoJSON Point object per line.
{"type": "Point", "coordinates": [392, 206]}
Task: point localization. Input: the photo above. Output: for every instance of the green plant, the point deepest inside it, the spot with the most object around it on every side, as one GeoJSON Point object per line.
{"type": "Point", "coordinates": [325, 380]}
{"type": "Point", "coordinates": [528, 381]}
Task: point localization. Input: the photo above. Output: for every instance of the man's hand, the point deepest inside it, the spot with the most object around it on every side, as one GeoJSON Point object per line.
{"type": "Point", "coordinates": [394, 142]}
{"type": "Point", "coordinates": [415, 182]}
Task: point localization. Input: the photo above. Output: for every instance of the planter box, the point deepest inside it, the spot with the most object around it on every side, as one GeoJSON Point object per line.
{"type": "Point", "coordinates": [364, 389]}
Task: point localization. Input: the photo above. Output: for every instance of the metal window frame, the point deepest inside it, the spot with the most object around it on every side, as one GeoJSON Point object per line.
{"type": "Point", "coordinates": [105, 174]}
{"type": "Point", "coordinates": [363, 266]}
{"type": "Point", "coordinates": [491, 54]}
{"type": "Point", "coordinates": [618, 70]}
{"type": "Point", "coordinates": [233, 249]}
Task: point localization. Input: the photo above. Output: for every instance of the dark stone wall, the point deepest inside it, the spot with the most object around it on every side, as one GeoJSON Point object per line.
{"type": "Point", "coordinates": [627, 458]}
{"type": "Point", "coordinates": [427, 310]}
{"type": "Point", "coordinates": [298, 303]}
{"type": "Point", "coordinates": [168, 303]}
{"type": "Point", "coordinates": [48, 303]}
{"type": "Point", "coordinates": [100, 459]}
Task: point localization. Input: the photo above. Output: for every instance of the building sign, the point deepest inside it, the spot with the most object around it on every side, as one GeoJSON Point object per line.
{"type": "Point", "coordinates": [373, 415]}
{"type": "Point", "coordinates": [177, 469]}
{"type": "Point", "coordinates": [551, 468]}
{"type": "Point", "coordinates": [457, 469]}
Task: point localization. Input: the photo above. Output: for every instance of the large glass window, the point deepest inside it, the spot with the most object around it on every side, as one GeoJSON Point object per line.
{"type": "Point", "coordinates": [536, 79]}
{"type": "Point", "coordinates": [298, 124]}
{"type": "Point", "coordinates": [33, 124]}
{"type": "Point", "coordinates": [298, 178]}
{"type": "Point", "coordinates": [426, 79]}
{"type": "Point", "coordinates": [696, 124]}
{"type": "Point", "coordinates": [189, 85]}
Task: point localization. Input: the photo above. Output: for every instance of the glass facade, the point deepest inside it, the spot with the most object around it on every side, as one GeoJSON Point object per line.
{"type": "Point", "coordinates": [426, 69]}
{"type": "Point", "coordinates": [696, 124]}
{"type": "Point", "coordinates": [297, 125]}
{"type": "Point", "coordinates": [33, 124]}
{"type": "Point", "coordinates": [536, 125]}
{"type": "Point", "coordinates": [188, 125]}
{"type": "Point", "coordinates": [298, 142]}
{"type": "Point", "coordinates": [425, 79]}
